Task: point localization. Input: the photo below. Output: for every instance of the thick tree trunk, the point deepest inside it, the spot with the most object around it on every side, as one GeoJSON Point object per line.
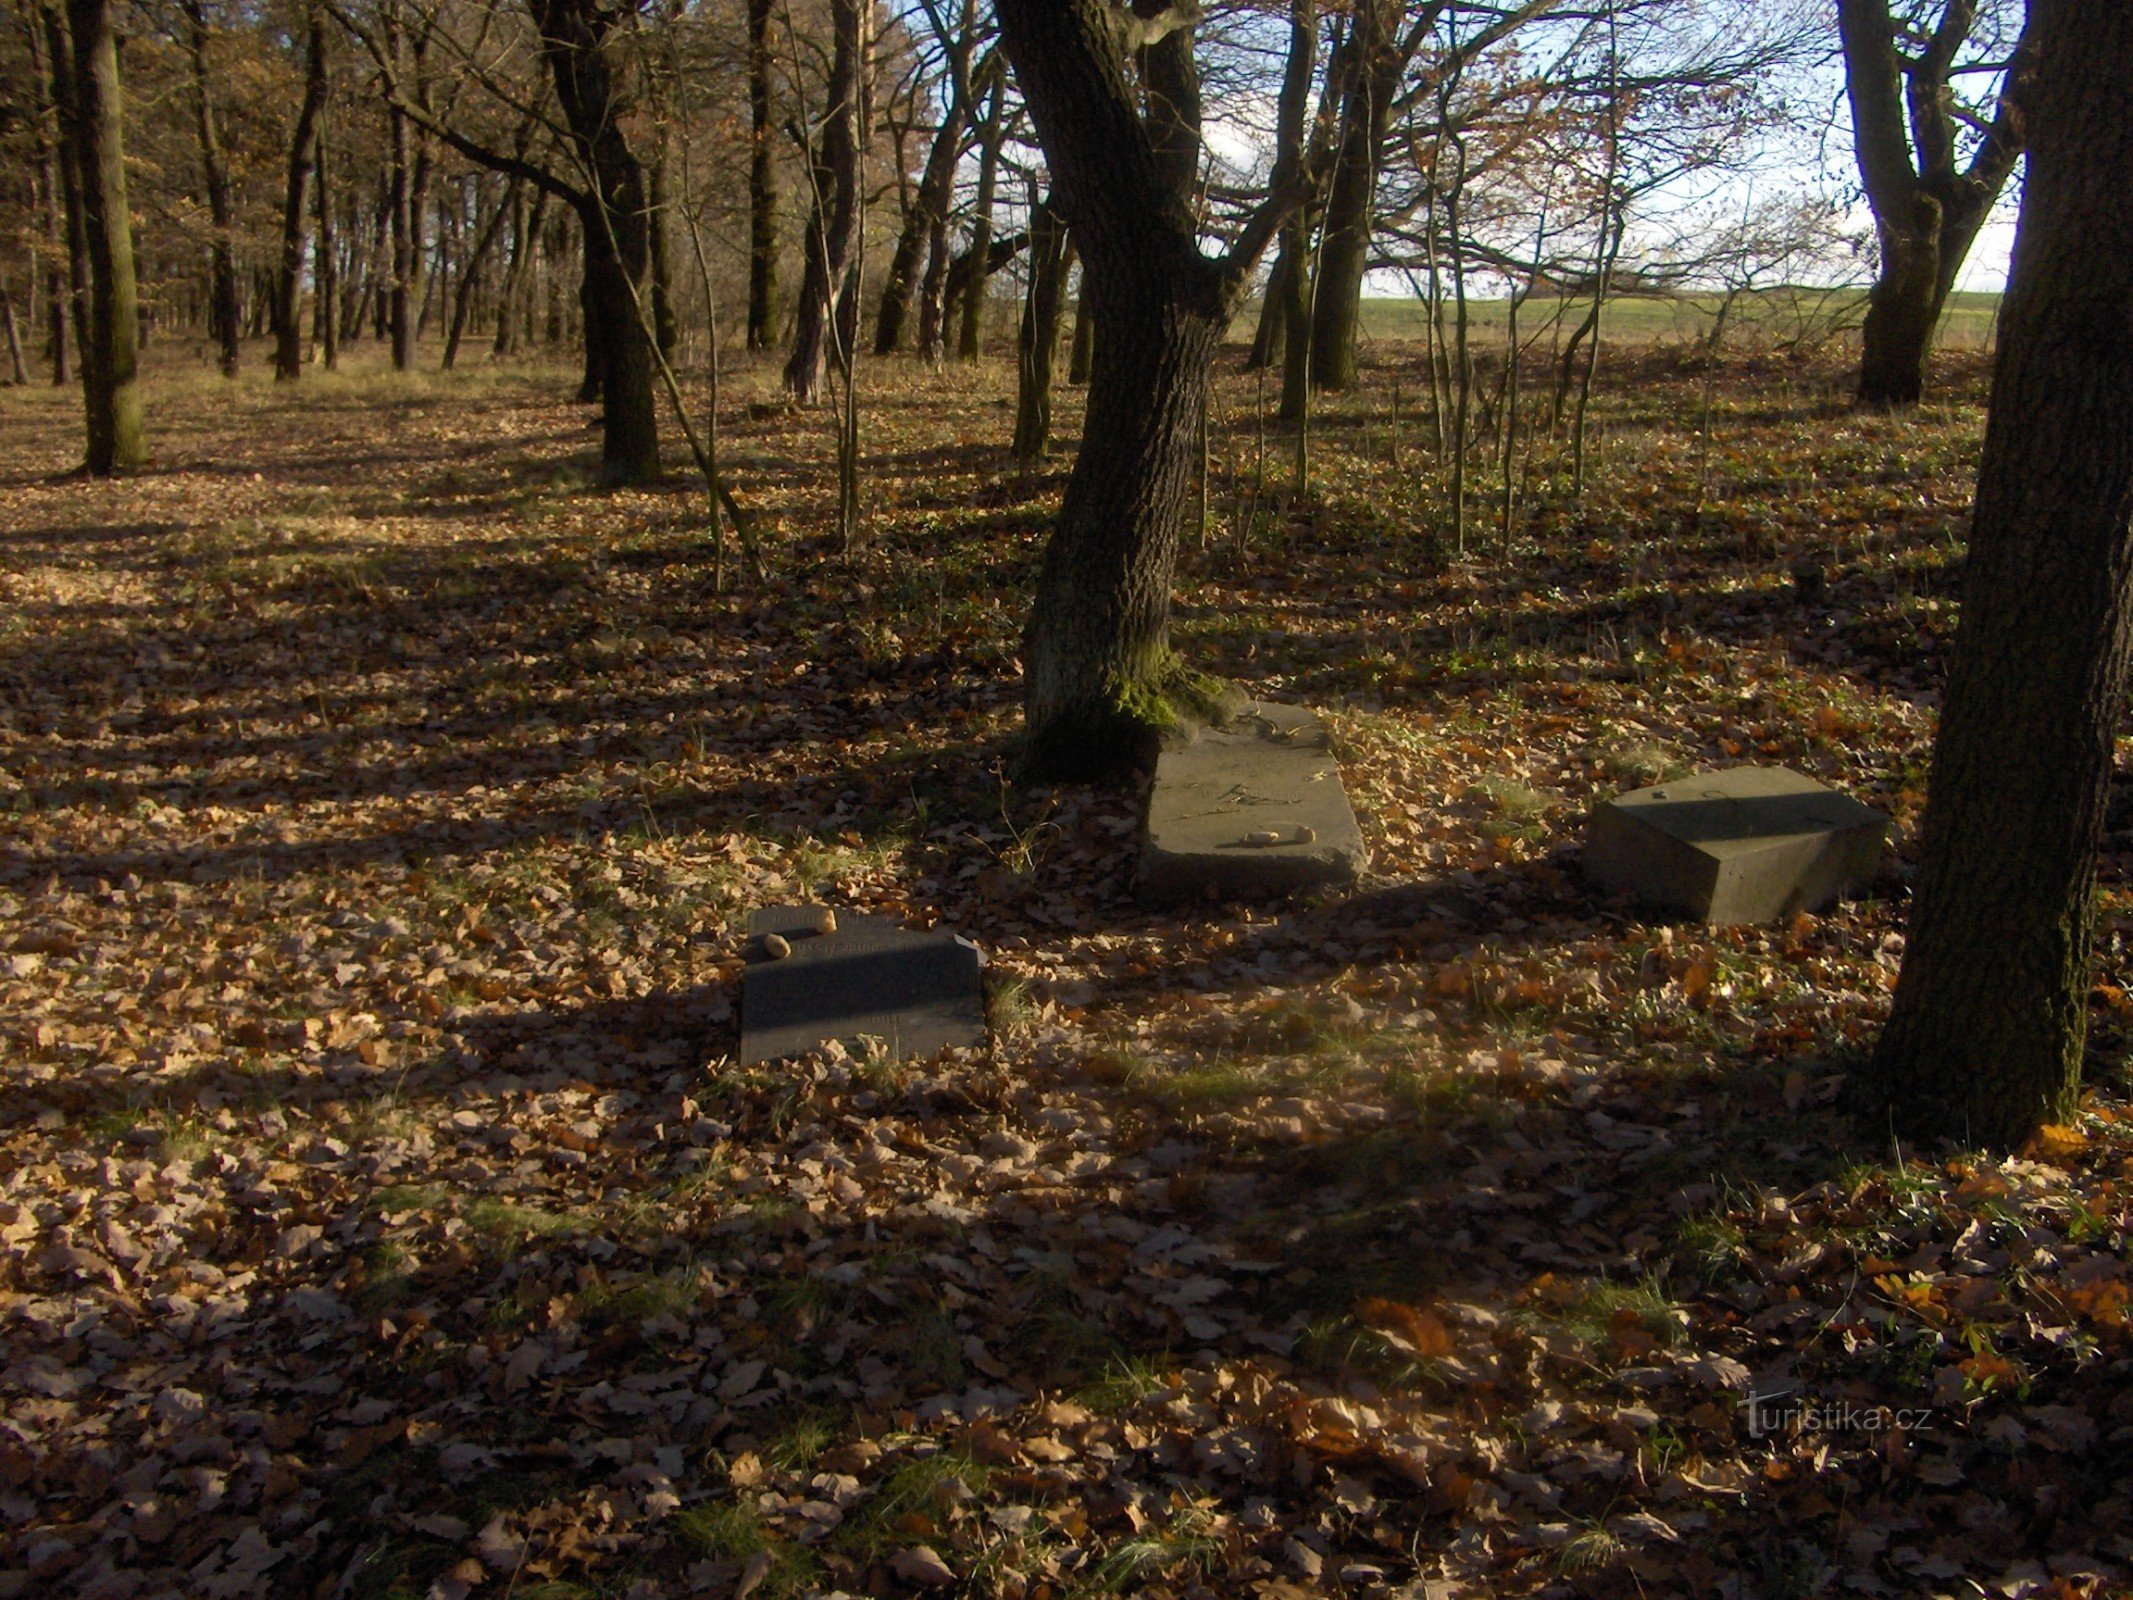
{"type": "Point", "coordinates": [970, 337]}
{"type": "Point", "coordinates": [1369, 65]}
{"type": "Point", "coordinates": [1096, 653]}
{"type": "Point", "coordinates": [929, 209]}
{"type": "Point", "coordinates": [1985, 1038]}
{"type": "Point", "coordinates": [762, 184]}
{"type": "Point", "coordinates": [1050, 255]}
{"type": "Point", "coordinates": [617, 236]}
{"type": "Point", "coordinates": [1927, 211]}
{"type": "Point", "coordinates": [222, 317]}
{"type": "Point", "coordinates": [836, 202]}
{"type": "Point", "coordinates": [111, 351]}
{"type": "Point", "coordinates": [303, 146]}
{"type": "Point", "coordinates": [1100, 681]}
{"type": "Point", "coordinates": [1902, 309]}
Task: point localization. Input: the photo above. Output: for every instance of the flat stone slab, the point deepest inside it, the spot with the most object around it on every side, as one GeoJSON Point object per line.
{"type": "Point", "coordinates": [917, 993]}
{"type": "Point", "coordinates": [1749, 844]}
{"type": "Point", "coordinates": [1249, 808]}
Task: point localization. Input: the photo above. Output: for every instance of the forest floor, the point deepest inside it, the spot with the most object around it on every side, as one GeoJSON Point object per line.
{"type": "Point", "coordinates": [385, 1216]}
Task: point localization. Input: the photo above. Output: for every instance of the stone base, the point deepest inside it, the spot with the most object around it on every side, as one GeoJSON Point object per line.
{"type": "Point", "coordinates": [917, 993]}
{"type": "Point", "coordinates": [1253, 807]}
{"type": "Point", "coordinates": [1749, 844]}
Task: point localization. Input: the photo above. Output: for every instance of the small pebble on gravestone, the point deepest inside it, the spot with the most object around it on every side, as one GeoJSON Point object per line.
{"type": "Point", "coordinates": [1251, 806]}
{"type": "Point", "coordinates": [863, 981]}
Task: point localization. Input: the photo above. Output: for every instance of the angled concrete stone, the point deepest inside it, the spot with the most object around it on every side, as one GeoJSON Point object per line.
{"type": "Point", "coordinates": [918, 993]}
{"type": "Point", "coordinates": [1251, 807]}
{"type": "Point", "coordinates": [1749, 844]}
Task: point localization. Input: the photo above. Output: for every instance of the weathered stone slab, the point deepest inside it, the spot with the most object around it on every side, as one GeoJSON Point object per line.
{"type": "Point", "coordinates": [918, 993]}
{"type": "Point", "coordinates": [1749, 844]}
{"type": "Point", "coordinates": [1251, 807]}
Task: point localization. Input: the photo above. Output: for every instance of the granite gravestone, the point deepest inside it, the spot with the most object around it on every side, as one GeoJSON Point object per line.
{"type": "Point", "coordinates": [1251, 806]}
{"type": "Point", "coordinates": [1749, 844]}
{"type": "Point", "coordinates": [868, 979]}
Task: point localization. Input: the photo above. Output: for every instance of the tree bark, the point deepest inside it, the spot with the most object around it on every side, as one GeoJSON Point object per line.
{"type": "Point", "coordinates": [1369, 65]}
{"type": "Point", "coordinates": [970, 337]}
{"type": "Point", "coordinates": [1985, 1038]}
{"type": "Point", "coordinates": [1084, 351]}
{"type": "Point", "coordinates": [834, 158]}
{"type": "Point", "coordinates": [762, 184]}
{"type": "Point", "coordinates": [612, 210]}
{"type": "Point", "coordinates": [48, 58]}
{"type": "Point", "coordinates": [325, 263]}
{"type": "Point", "coordinates": [1927, 211]}
{"type": "Point", "coordinates": [928, 213]}
{"type": "Point", "coordinates": [1050, 254]}
{"type": "Point", "coordinates": [111, 351]}
{"type": "Point", "coordinates": [1100, 681]}
{"type": "Point", "coordinates": [470, 271]}
{"type": "Point", "coordinates": [222, 318]}
{"type": "Point", "coordinates": [17, 372]}
{"type": "Point", "coordinates": [303, 146]}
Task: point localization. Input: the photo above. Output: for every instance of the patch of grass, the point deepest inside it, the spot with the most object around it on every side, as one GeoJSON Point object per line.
{"type": "Point", "coordinates": [511, 1227]}
{"type": "Point", "coordinates": [923, 1488]}
{"type": "Point", "coordinates": [1606, 1306]}
{"type": "Point", "coordinates": [388, 1277]}
{"type": "Point", "coordinates": [803, 1434]}
{"type": "Point", "coordinates": [1186, 1543]}
{"type": "Point", "coordinates": [1707, 1244]}
{"type": "Point", "coordinates": [1126, 1383]}
{"type": "Point", "coordinates": [733, 1532]}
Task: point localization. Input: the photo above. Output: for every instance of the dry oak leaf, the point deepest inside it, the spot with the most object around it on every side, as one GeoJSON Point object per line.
{"type": "Point", "coordinates": [1411, 1327]}
{"type": "Point", "coordinates": [919, 1565]}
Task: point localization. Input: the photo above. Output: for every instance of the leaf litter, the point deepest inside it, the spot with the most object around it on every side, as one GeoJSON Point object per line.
{"type": "Point", "coordinates": [385, 1214]}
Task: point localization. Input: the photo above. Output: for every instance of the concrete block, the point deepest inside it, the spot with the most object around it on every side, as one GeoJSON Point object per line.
{"type": "Point", "coordinates": [1249, 808]}
{"type": "Point", "coordinates": [1749, 844]}
{"type": "Point", "coordinates": [918, 993]}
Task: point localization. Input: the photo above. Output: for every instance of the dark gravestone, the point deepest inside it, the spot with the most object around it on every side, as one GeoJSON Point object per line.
{"type": "Point", "coordinates": [1749, 844]}
{"type": "Point", "coordinates": [1253, 806]}
{"type": "Point", "coordinates": [916, 993]}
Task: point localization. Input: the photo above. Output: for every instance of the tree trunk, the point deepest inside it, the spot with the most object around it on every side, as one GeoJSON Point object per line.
{"type": "Point", "coordinates": [1084, 351]}
{"type": "Point", "coordinates": [525, 239]}
{"type": "Point", "coordinates": [1985, 1038]}
{"type": "Point", "coordinates": [835, 162]}
{"type": "Point", "coordinates": [470, 272]}
{"type": "Point", "coordinates": [405, 218]}
{"type": "Point", "coordinates": [617, 238]}
{"type": "Point", "coordinates": [1927, 212]}
{"type": "Point", "coordinates": [970, 338]}
{"type": "Point", "coordinates": [1050, 254]}
{"type": "Point", "coordinates": [48, 66]}
{"type": "Point", "coordinates": [111, 351]}
{"type": "Point", "coordinates": [289, 286]}
{"type": "Point", "coordinates": [222, 317]}
{"type": "Point", "coordinates": [325, 264]}
{"type": "Point", "coordinates": [18, 373]}
{"type": "Point", "coordinates": [762, 185]}
{"type": "Point", "coordinates": [929, 209]}
{"type": "Point", "coordinates": [1369, 66]}
{"type": "Point", "coordinates": [1270, 336]}
{"type": "Point", "coordinates": [1100, 682]}
{"type": "Point", "coordinates": [1293, 106]}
